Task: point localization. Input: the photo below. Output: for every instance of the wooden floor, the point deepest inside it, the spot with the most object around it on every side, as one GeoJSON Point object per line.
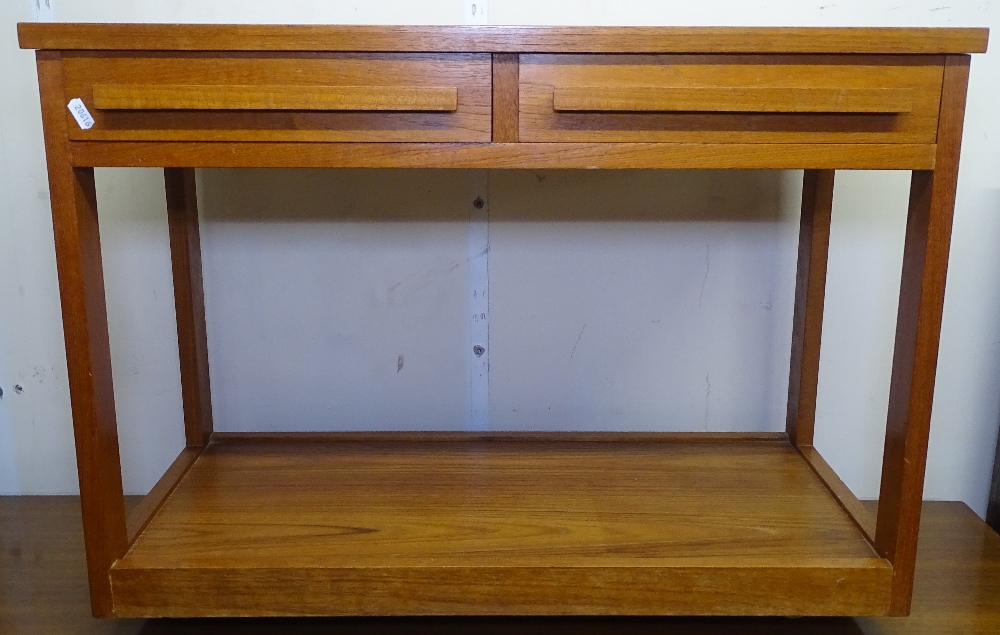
{"type": "Point", "coordinates": [43, 590]}
{"type": "Point", "coordinates": [493, 527]}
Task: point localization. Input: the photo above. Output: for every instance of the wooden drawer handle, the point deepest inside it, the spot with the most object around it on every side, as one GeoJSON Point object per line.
{"type": "Point", "coordinates": [188, 97]}
{"type": "Point", "coordinates": [732, 99]}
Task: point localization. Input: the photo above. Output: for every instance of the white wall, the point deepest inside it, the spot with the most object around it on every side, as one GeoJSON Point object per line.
{"type": "Point", "coordinates": [626, 300]}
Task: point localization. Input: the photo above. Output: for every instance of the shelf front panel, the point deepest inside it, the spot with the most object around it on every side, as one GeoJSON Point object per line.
{"type": "Point", "coordinates": [715, 156]}
{"type": "Point", "coordinates": [730, 99]}
{"type": "Point", "coordinates": [500, 527]}
{"type": "Point", "coordinates": [330, 97]}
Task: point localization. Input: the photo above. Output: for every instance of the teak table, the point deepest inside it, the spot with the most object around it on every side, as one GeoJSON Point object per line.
{"type": "Point", "coordinates": [543, 523]}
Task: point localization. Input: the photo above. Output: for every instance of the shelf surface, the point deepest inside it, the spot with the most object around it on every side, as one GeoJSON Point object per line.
{"type": "Point", "coordinates": [523, 527]}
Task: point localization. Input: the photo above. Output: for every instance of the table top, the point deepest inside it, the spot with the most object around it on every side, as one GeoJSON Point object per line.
{"type": "Point", "coordinates": [500, 39]}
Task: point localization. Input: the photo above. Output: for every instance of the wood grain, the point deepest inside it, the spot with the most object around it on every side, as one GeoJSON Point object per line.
{"type": "Point", "coordinates": [732, 99]}
{"type": "Point", "coordinates": [278, 97]}
{"type": "Point", "coordinates": [807, 318]}
{"type": "Point", "coordinates": [451, 502]}
{"type": "Point", "coordinates": [149, 504]}
{"type": "Point", "coordinates": [189, 304]}
{"type": "Point", "coordinates": [499, 39]}
{"type": "Point", "coordinates": [88, 354]}
{"type": "Point", "coordinates": [234, 88]}
{"type": "Point", "coordinates": [742, 98]}
{"type": "Point", "coordinates": [505, 97]}
{"type": "Point", "coordinates": [501, 590]}
{"type": "Point", "coordinates": [918, 328]}
{"type": "Point", "coordinates": [43, 589]}
{"type": "Point", "coordinates": [508, 155]}
{"type": "Point", "coordinates": [859, 513]}
{"type": "Point", "coordinates": [498, 527]}
{"type": "Point", "coordinates": [498, 436]}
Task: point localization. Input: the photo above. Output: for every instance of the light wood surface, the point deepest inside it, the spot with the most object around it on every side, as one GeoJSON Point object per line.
{"type": "Point", "coordinates": [145, 507]}
{"type": "Point", "coordinates": [918, 330]}
{"type": "Point", "coordinates": [531, 503]}
{"type": "Point", "coordinates": [505, 97]}
{"type": "Point", "coordinates": [498, 39]}
{"type": "Point", "coordinates": [189, 303]}
{"type": "Point", "coordinates": [343, 97]}
{"type": "Point", "coordinates": [43, 589]}
{"type": "Point", "coordinates": [494, 524]}
{"type": "Point", "coordinates": [733, 99]}
{"type": "Point", "coordinates": [237, 97]}
{"type": "Point", "coordinates": [861, 515]}
{"type": "Point", "coordinates": [807, 316]}
{"type": "Point", "coordinates": [88, 351]}
{"type": "Point", "coordinates": [611, 156]}
{"type": "Point", "coordinates": [495, 527]}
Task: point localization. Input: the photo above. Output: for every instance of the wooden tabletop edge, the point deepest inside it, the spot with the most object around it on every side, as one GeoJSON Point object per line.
{"type": "Point", "coordinates": [498, 39]}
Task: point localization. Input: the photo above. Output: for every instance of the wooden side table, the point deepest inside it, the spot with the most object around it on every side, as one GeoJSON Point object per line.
{"type": "Point", "coordinates": [498, 523]}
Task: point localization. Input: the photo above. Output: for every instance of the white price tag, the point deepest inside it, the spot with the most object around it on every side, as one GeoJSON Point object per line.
{"type": "Point", "coordinates": [80, 113]}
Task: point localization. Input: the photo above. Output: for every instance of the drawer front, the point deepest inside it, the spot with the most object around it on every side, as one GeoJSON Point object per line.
{"type": "Point", "coordinates": [377, 97]}
{"type": "Point", "coordinates": [725, 98]}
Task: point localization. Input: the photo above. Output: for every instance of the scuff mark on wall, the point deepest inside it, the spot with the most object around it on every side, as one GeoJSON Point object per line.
{"type": "Point", "coordinates": [578, 338]}
{"type": "Point", "coordinates": [479, 303]}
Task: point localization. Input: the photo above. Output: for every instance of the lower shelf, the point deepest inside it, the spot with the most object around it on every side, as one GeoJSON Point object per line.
{"type": "Point", "coordinates": [511, 526]}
